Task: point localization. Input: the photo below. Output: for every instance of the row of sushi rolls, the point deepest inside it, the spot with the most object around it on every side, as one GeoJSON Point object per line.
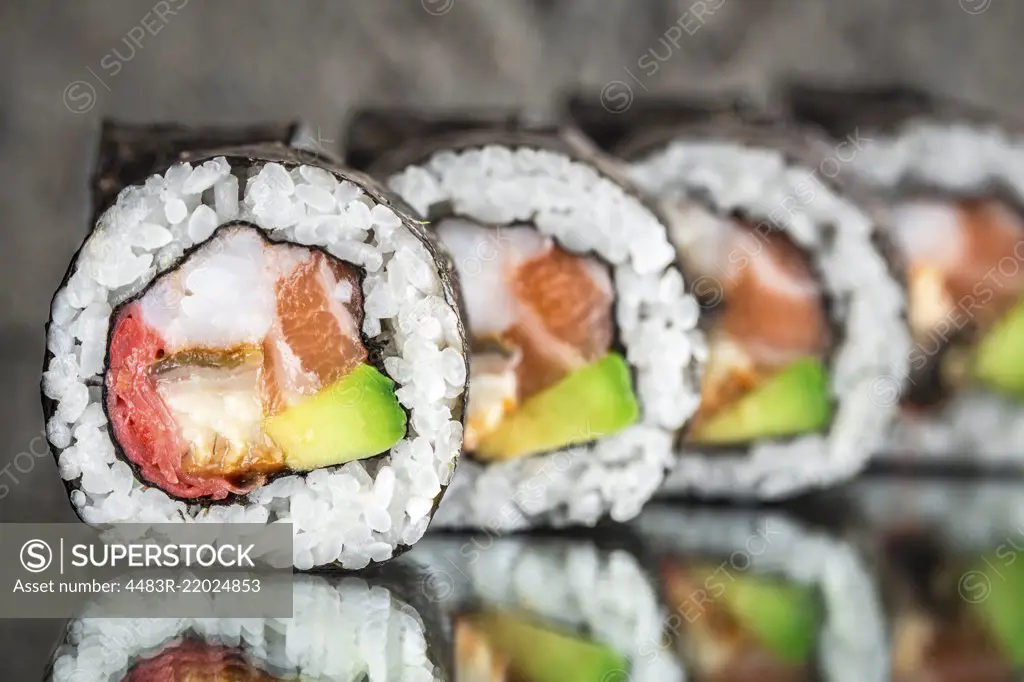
{"type": "Point", "coordinates": [487, 324]}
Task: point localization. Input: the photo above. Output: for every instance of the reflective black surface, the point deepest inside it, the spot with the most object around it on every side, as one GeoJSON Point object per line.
{"type": "Point", "coordinates": [887, 578]}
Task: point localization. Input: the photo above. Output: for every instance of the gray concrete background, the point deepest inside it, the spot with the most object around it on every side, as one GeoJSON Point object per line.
{"type": "Point", "coordinates": [234, 61]}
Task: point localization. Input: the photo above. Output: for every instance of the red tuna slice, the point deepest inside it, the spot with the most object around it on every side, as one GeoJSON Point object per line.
{"type": "Point", "coordinates": [193, 661]}
{"type": "Point", "coordinates": [142, 423]}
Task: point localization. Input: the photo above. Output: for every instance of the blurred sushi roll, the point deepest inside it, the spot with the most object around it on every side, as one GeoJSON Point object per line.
{"type": "Point", "coordinates": [951, 556]}
{"type": "Point", "coordinates": [584, 350]}
{"type": "Point", "coordinates": [802, 311]}
{"type": "Point", "coordinates": [547, 609]}
{"type": "Point", "coordinates": [258, 335]}
{"type": "Point", "coordinates": [761, 596]}
{"type": "Point", "coordinates": [342, 630]}
{"type": "Point", "coordinates": [950, 179]}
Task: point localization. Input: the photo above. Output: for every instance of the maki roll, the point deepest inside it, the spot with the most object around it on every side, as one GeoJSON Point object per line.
{"type": "Point", "coordinates": [584, 352]}
{"type": "Point", "coordinates": [949, 556]}
{"type": "Point", "coordinates": [547, 609]}
{"type": "Point", "coordinates": [761, 596]}
{"type": "Point", "coordinates": [949, 179]}
{"type": "Point", "coordinates": [220, 350]}
{"type": "Point", "coordinates": [802, 312]}
{"type": "Point", "coordinates": [342, 630]}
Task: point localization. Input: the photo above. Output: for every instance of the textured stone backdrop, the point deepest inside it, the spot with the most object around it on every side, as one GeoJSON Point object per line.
{"type": "Point", "coordinates": [229, 61]}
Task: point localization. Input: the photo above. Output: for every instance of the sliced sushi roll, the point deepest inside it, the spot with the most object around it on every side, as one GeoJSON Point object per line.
{"type": "Point", "coordinates": [255, 335]}
{"type": "Point", "coordinates": [950, 180]}
{"type": "Point", "coordinates": [949, 553]}
{"type": "Point", "coordinates": [342, 630]}
{"type": "Point", "coordinates": [547, 609]}
{"type": "Point", "coordinates": [584, 353]}
{"type": "Point", "coordinates": [761, 596]}
{"type": "Point", "coordinates": [802, 311]}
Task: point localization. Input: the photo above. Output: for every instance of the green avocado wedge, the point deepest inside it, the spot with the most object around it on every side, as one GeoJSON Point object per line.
{"type": "Point", "coordinates": [794, 401]}
{"type": "Point", "coordinates": [999, 356]}
{"type": "Point", "coordinates": [356, 417]}
{"type": "Point", "coordinates": [996, 595]}
{"type": "Point", "coordinates": [539, 654]}
{"type": "Point", "coordinates": [783, 616]}
{"type": "Point", "coordinates": [592, 402]}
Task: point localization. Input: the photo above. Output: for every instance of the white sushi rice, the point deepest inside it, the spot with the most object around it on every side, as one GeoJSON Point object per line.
{"type": "Point", "coordinates": [343, 631]}
{"type": "Point", "coordinates": [353, 514]}
{"type": "Point", "coordinates": [656, 318]}
{"type": "Point", "coordinates": [574, 586]}
{"type": "Point", "coordinates": [959, 159]}
{"type": "Point", "coordinates": [852, 643]}
{"type": "Point", "coordinates": [867, 307]}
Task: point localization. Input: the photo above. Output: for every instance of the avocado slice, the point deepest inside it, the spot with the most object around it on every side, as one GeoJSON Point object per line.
{"type": "Point", "coordinates": [592, 402]}
{"type": "Point", "coordinates": [998, 600]}
{"type": "Point", "coordinates": [356, 417]}
{"type": "Point", "coordinates": [784, 617]}
{"type": "Point", "coordinates": [796, 400]}
{"type": "Point", "coordinates": [540, 654]}
{"type": "Point", "coordinates": [999, 358]}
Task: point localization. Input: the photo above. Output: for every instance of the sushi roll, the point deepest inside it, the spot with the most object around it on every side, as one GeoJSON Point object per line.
{"type": "Point", "coordinates": [949, 553]}
{"type": "Point", "coordinates": [258, 335]}
{"type": "Point", "coordinates": [343, 629]}
{"type": "Point", "coordinates": [584, 350]}
{"type": "Point", "coordinates": [547, 609]}
{"type": "Point", "coordinates": [950, 181]}
{"type": "Point", "coordinates": [802, 309]}
{"type": "Point", "coordinates": [762, 596]}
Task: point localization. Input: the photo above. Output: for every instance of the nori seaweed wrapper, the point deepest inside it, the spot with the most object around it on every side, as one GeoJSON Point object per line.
{"type": "Point", "coordinates": [130, 154]}
{"type": "Point", "coordinates": [883, 111]}
{"type": "Point", "coordinates": [387, 141]}
{"type": "Point", "coordinates": [651, 123]}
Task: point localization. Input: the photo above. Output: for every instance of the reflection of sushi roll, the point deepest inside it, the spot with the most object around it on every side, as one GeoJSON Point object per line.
{"type": "Point", "coordinates": [801, 310]}
{"type": "Point", "coordinates": [951, 181]}
{"type": "Point", "coordinates": [952, 559]}
{"type": "Point", "coordinates": [342, 630]}
{"type": "Point", "coordinates": [760, 596]}
{"type": "Point", "coordinates": [584, 351]}
{"type": "Point", "coordinates": [546, 609]}
{"type": "Point", "coordinates": [257, 335]}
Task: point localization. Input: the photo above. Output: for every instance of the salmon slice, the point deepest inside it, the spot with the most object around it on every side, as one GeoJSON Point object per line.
{"type": "Point", "coordinates": [319, 311]}
{"type": "Point", "coordinates": [775, 307]}
{"type": "Point", "coordinates": [773, 314]}
{"type": "Point", "coordinates": [990, 274]}
{"type": "Point", "coordinates": [965, 261]}
{"type": "Point", "coordinates": [564, 318]}
{"type": "Point", "coordinates": [193, 661]}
